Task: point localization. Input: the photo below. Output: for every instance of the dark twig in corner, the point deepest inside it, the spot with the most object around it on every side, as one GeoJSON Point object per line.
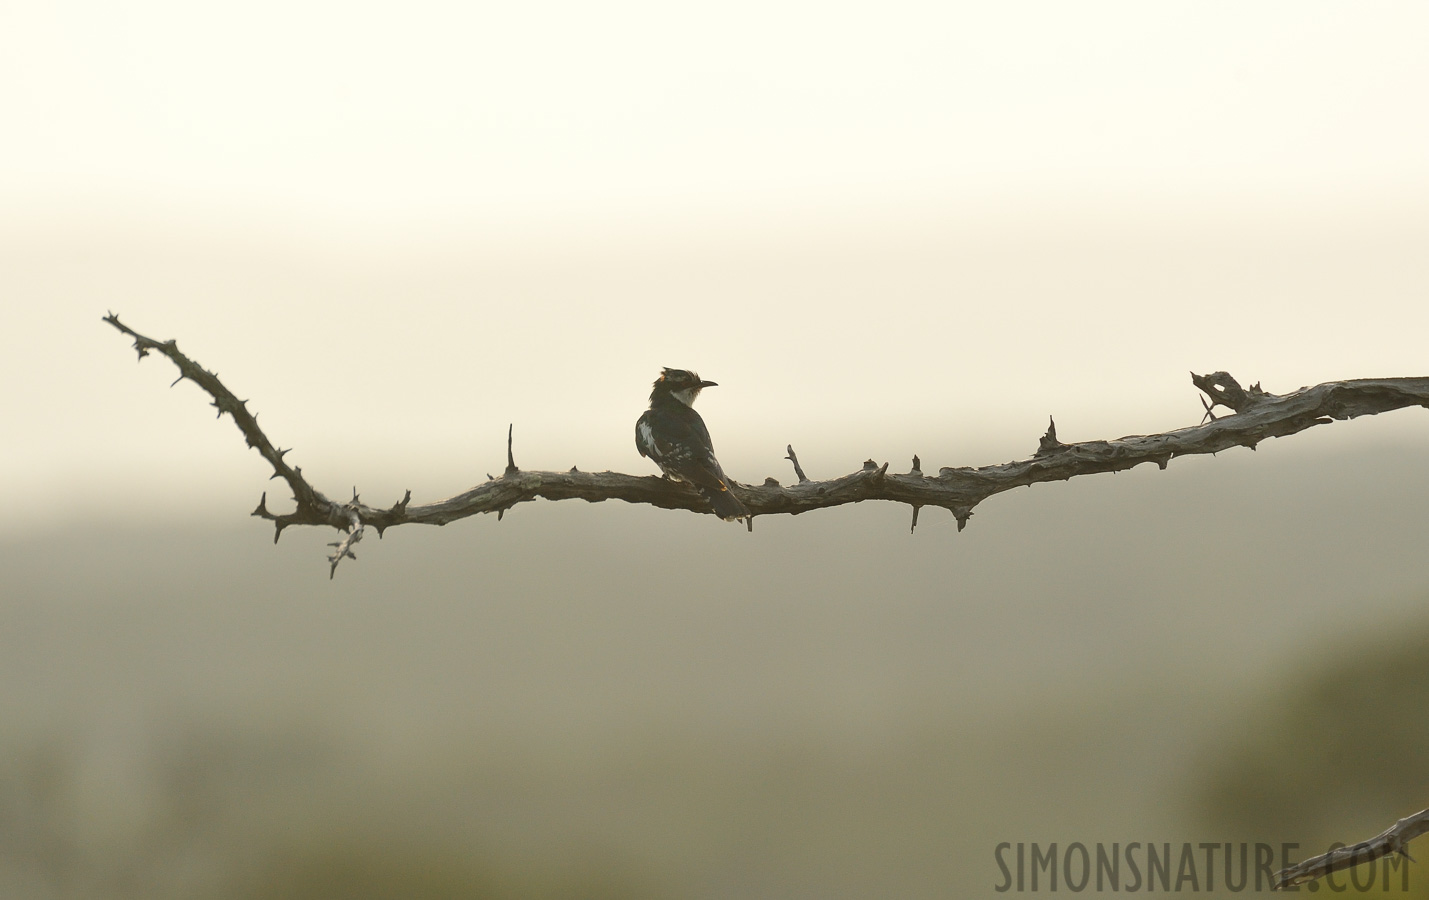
{"type": "Point", "coordinates": [1258, 415]}
{"type": "Point", "coordinates": [1389, 842]}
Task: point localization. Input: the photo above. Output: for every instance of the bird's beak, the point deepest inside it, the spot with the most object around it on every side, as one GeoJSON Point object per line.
{"type": "Point", "coordinates": [705, 384]}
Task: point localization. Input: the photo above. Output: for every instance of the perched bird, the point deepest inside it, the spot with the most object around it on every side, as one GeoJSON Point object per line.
{"type": "Point", "coordinates": [673, 434]}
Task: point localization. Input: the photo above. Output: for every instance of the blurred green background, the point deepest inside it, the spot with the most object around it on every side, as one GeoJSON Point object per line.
{"type": "Point", "coordinates": [613, 701]}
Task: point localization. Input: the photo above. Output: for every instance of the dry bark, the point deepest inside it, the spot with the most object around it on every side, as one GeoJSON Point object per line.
{"type": "Point", "coordinates": [1256, 415]}
{"type": "Point", "coordinates": [1386, 843]}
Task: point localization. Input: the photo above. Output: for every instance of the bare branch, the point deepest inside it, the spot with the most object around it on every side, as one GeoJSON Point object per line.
{"type": "Point", "coordinates": [794, 458]}
{"type": "Point", "coordinates": [1257, 415]}
{"type": "Point", "coordinates": [1387, 843]}
{"type": "Point", "coordinates": [312, 507]}
{"type": "Point", "coordinates": [354, 534]}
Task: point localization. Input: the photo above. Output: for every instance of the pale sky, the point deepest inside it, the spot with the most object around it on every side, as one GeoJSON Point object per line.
{"type": "Point", "coordinates": [915, 228]}
{"type": "Point", "coordinates": [492, 111]}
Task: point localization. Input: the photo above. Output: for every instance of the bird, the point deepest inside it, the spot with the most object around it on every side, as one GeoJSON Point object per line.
{"type": "Point", "coordinates": [672, 434]}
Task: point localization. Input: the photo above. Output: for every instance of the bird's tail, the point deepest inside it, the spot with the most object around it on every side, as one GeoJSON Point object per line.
{"type": "Point", "coordinates": [726, 505]}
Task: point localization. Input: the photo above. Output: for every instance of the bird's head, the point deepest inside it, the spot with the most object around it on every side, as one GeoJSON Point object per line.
{"type": "Point", "coordinates": [683, 385]}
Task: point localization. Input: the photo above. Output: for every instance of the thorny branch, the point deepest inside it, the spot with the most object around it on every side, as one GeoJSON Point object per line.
{"type": "Point", "coordinates": [1257, 415]}
{"type": "Point", "coordinates": [1387, 843]}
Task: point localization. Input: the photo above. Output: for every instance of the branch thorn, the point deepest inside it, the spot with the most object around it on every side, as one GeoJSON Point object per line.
{"type": "Point", "coordinates": [794, 458]}
{"type": "Point", "coordinates": [1226, 391]}
{"type": "Point", "coordinates": [1048, 443]}
{"type": "Point", "coordinates": [1209, 416]}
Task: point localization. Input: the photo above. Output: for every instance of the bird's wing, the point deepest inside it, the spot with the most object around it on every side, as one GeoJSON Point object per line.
{"type": "Point", "coordinates": [703, 471]}
{"type": "Point", "coordinates": [699, 467]}
{"type": "Point", "coordinates": [645, 436]}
